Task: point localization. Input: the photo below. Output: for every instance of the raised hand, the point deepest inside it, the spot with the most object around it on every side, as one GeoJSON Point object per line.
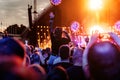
{"type": "Point", "coordinates": [115, 38]}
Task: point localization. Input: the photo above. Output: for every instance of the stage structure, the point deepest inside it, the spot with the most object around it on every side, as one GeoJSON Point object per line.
{"type": "Point", "coordinates": [69, 11]}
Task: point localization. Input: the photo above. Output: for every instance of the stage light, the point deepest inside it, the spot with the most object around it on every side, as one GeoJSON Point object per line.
{"type": "Point", "coordinates": [117, 25]}
{"type": "Point", "coordinates": [75, 26]}
{"type": "Point", "coordinates": [95, 4]}
{"type": "Point", "coordinates": [55, 2]}
{"type": "Point", "coordinates": [96, 29]}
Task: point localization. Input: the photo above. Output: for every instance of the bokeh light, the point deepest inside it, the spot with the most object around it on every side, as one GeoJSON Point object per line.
{"type": "Point", "coordinates": [75, 26]}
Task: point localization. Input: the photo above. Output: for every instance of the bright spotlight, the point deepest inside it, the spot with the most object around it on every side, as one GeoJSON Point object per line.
{"type": "Point", "coordinates": [95, 4]}
{"type": "Point", "coordinates": [96, 29]}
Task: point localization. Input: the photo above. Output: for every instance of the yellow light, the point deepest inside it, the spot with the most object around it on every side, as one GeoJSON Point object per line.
{"type": "Point", "coordinates": [96, 29]}
{"type": "Point", "coordinates": [95, 4]}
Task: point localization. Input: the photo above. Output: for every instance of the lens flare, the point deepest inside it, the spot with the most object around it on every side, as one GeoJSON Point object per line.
{"type": "Point", "coordinates": [95, 4]}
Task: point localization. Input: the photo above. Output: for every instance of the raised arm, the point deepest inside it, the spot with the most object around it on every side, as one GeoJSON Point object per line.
{"type": "Point", "coordinates": [93, 39]}
{"type": "Point", "coordinates": [51, 21]}
{"type": "Point", "coordinates": [115, 38]}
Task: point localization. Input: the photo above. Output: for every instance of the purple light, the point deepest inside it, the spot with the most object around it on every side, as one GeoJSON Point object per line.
{"type": "Point", "coordinates": [55, 2]}
{"type": "Point", "coordinates": [75, 26]}
{"type": "Point", "coordinates": [117, 25]}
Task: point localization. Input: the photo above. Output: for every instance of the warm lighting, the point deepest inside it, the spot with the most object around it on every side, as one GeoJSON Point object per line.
{"type": "Point", "coordinates": [96, 29]}
{"type": "Point", "coordinates": [95, 4]}
{"type": "Point", "coordinates": [38, 33]}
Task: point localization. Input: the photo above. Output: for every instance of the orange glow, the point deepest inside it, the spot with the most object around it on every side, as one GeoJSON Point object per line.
{"type": "Point", "coordinates": [96, 29]}
{"type": "Point", "coordinates": [95, 4]}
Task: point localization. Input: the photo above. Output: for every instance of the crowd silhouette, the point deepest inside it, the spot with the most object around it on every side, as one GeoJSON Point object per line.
{"type": "Point", "coordinates": [99, 60]}
{"type": "Point", "coordinates": [64, 60]}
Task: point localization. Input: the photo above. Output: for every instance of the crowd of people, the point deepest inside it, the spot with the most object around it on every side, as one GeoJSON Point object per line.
{"type": "Point", "coordinates": [64, 60]}
{"type": "Point", "coordinates": [98, 60]}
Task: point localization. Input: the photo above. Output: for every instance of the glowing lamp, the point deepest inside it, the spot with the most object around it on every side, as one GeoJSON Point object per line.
{"type": "Point", "coordinates": [75, 26]}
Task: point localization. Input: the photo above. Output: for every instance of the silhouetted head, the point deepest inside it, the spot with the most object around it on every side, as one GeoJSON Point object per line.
{"type": "Point", "coordinates": [104, 61]}
{"type": "Point", "coordinates": [39, 70]}
{"type": "Point", "coordinates": [35, 58]}
{"type": "Point", "coordinates": [58, 32]}
{"type": "Point", "coordinates": [64, 52]}
{"type": "Point", "coordinates": [10, 46]}
{"type": "Point", "coordinates": [58, 73]}
{"type": "Point", "coordinates": [11, 69]}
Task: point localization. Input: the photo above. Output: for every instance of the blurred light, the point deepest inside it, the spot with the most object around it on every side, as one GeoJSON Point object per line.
{"type": "Point", "coordinates": [96, 29]}
{"type": "Point", "coordinates": [117, 25]}
{"type": "Point", "coordinates": [75, 26]}
{"type": "Point", "coordinates": [95, 4]}
{"type": "Point", "coordinates": [55, 2]}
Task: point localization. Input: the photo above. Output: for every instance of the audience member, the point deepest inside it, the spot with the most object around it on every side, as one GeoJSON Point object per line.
{"type": "Point", "coordinates": [64, 53]}
{"type": "Point", "coordinates": [39, 70]}
{"type": "Point", "coordinates": [56, 36]}
{"type": "Point", "coordinates": [10, 47]}
{"type": "Point", "coordinates": [35, 59]}
{"type": "Point", "coordinates": [11, 69]}
{"type": "Point", "coordinates": [75, 72]}
{"type": "Point", "coordinates": [58, 73]}
{"type": "Point", "coordinates": [101, 58]}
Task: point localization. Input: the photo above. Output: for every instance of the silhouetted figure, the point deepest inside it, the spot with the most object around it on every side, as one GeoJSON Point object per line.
{"type": "Point", "coordinates": [56, 36]}
{"type": "Point", "coordinates": [101, 59]}
{"type": "Point", "coordinates": [58, 73]}
{"type": "Point", "coordinates": [12, 69]}
{"type": "Point", "coordinates": [104, 61]}
{"type": "Point", "coordinates": [11, 47]}
{"type": "Point", "coordinates": [64, 53]}
{"type": "Point", "coordinates": [39, 70]}
{"type": "Point", "coordinates": [75, 72]}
